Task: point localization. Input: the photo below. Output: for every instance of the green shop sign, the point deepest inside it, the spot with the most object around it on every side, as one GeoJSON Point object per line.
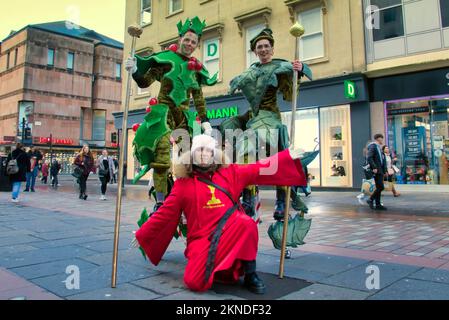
{"type": "Point", "coordinates": [350, 90]}
{"type": "Point", "coordinates": [222, 112]}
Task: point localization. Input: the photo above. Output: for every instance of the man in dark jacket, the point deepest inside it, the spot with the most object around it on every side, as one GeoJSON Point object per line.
{"type": "Point", "coordinates": [376, 160]}
{"type": "Point", "coordinates": [23, 163]}
{"type": "Point", "coordinates": [35, 157]}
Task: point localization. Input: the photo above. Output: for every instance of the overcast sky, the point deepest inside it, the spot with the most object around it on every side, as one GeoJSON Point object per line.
{"type": "Point", "coordinates": [104, 16]}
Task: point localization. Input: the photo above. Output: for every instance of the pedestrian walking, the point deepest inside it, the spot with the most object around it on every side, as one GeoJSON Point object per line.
{"type": "Point", "coordinates": [18, 165]}
{"type": "Point", "coordinates": [55, 168]}
{"type": "Point", "coordinates": [85, 162]}
{"type": "Point", "coordinates": [44, 172]}
{"type": "Point", "coordinates": [377, 163]}
{"type": "Point", "coordinates": [106, 169]}
{"type": "Point", "coordinates": [391, 169]}
{"type": "Point", "coordinates": [34, 156]}
{"type": "Point", "coordinates": [114, 176]}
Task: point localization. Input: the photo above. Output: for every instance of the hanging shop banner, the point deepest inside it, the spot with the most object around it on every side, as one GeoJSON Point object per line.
{"type": "Point", "coordinates": [414, 142]}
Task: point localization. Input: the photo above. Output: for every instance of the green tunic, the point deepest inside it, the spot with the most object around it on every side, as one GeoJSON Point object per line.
{"type": "Point", "coordinates": [178, 84]}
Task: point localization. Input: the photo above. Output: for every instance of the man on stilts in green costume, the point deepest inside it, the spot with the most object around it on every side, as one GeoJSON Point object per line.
{"type": "Point", "coordinates": [181, 77]}
{"type": "Point", "coordinates": [260, 84]}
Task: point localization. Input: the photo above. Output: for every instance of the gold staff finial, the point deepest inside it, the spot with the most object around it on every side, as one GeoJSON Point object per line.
{"type": "Point", "coordinates": [297, 30]}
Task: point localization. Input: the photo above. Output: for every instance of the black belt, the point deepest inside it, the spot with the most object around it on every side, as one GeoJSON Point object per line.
{"type": "Point", "coordinates": [216, 234]}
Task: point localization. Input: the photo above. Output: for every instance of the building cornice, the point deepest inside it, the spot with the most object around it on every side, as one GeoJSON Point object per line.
{"type": "Point", "coordinates": [265, 13]}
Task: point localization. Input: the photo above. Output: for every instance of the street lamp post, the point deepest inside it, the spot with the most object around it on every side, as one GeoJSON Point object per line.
{"type": "Point", "coordinates": [51, 148]}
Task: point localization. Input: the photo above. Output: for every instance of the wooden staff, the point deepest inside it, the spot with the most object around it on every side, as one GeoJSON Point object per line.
{"type": "Point", "coordinates": [296, 31]}
{"type": "Point", "coordinates": [134, 32]}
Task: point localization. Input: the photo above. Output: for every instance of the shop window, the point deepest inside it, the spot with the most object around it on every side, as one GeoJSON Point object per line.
{"type": "Point", "coordinates": [307, 132]}
{"type": "Point", "coordinates": [145, 12]}
{"type": "Point", "coordinates": [444, 9]}
{"type": "Point", "coordinates": [312, 42]}
{"type": "Point", "coordinates": [418, 134]}
{"type": "Point", "coordinates": [251, 32]}
{"type": "Point", "coordinates": [336, 149]}
{"type": "Point", "coordinates": [390, 19]}
{"type": "Point", "coordinates": [211, 55]}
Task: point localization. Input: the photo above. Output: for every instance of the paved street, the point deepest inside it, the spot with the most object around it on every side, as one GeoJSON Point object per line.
{"type": "Point", "coordinates": [51, 230]}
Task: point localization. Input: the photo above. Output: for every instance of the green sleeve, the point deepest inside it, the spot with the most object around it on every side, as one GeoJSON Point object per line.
{"type": "Point", "coordinates": [286, 86]}
{"type": "Point", "coordinates": [147, 79]}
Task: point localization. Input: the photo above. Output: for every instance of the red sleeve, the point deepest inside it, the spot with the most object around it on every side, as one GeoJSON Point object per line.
{"type": "Point", "coordinates": [156, 234]}
{"type": "Point", "coordinates": [277, 170]}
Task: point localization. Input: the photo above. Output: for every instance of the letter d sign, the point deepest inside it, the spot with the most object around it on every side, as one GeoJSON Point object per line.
{"type": "Point", "coordinates": [350, 91]}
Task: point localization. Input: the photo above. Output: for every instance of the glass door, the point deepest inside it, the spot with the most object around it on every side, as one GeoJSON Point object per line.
{"type": "Point", "coordinates": [307, 132]}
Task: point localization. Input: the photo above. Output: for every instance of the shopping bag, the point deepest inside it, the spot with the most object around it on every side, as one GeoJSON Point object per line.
{"type": "Point", "coordinates": [368, 186]}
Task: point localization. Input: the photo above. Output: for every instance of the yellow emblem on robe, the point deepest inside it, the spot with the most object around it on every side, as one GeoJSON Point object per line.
{"type": "Point", "coordinates": [214, 202]}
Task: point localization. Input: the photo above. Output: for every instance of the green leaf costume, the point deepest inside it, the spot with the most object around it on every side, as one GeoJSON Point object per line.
{"type": "Point", "coordinates": [177, 82]}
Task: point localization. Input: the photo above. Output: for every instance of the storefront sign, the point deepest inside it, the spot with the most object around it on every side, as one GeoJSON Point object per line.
{"type": "Point", "coordinates": [395, 112]}
{"type": "Point", "coordinates": [212, 49]}
{"type": "Point", "coordinates": [45, 140]}
{"type": "Point", "coordinates": [350, 90]}
{"type": "Point", "coordinates": [222, 113]}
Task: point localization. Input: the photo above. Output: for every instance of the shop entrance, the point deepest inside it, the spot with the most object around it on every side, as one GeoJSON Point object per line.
{"type": "Point", "coordinates": [418, 133]}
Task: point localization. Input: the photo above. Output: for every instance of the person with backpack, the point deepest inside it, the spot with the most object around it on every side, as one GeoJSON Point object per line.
{"type": "Point", "coordinates": [18, 164]}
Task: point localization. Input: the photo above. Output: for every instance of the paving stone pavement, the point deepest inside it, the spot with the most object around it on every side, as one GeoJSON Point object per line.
{"type": "Point", "coordinates": [51, 230]}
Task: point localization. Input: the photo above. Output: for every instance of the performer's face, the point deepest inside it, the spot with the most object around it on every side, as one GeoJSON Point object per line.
{"type": "Point", "coordinates": [188, 44]}
{"type": "Point", "coordinates": [264, 51]}
{"type": "Point", "coordinates": [203, 157]}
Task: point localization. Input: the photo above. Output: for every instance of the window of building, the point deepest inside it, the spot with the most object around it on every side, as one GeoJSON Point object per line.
{"type": "Point", "coordinates": [51, 57]}
{"type": "Point", "coordinates": [8, 56]}
{"type": "Point", "coordinates": [444, 6]}
{"type": "Point", "coordinates": [311, 44]}
{"type": "Point", "coordinates": [211, 55]}
{"type": "Point", "coordinates": [118, 70]}
{"type": "Point", "coordinates": [145, 12]}
{"type": "Point", "coordinates": [99, 125]}
{"type": "Point", "coordinates": [70, 60]}
{"type": "Point", "coordinates": [391, 23]}
{"type": "Point", "coordinates": [15, 56]}
{"type": "Point", "coordinates": [251, 32]}
{"type": "Point", "coordinates": [174, 6]}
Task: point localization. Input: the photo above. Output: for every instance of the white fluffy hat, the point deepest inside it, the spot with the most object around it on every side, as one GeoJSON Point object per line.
{"type": "Point", "coordinates": [203, 141]}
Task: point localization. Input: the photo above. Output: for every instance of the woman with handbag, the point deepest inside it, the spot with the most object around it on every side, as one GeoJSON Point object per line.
{"type": "Point", "coordinates": [391, 169]}
{"type": "Point", "coordinates": [106, 169]}
{"type": "Point", "coordinates": [85, 161]}
{"type": "Point", "coordinates": [17, 168]}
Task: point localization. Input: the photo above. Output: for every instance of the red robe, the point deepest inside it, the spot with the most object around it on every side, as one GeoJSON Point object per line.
{"type": "Point", "coordinates": [203, 208]}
